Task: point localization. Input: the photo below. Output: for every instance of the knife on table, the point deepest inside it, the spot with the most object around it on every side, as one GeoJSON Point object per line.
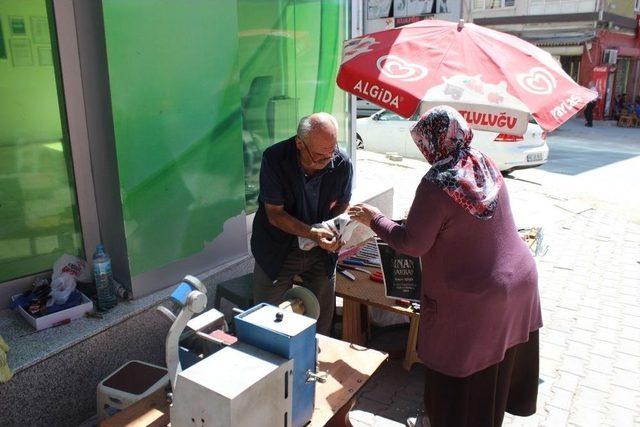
{"type": "Point", "coordinates": [346, 274]}
{"type": "Point", "coordinates": [352, 267]}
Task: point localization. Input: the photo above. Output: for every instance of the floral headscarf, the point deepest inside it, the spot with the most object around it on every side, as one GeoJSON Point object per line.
{"type": "Point", "coordinates": [469, 177]}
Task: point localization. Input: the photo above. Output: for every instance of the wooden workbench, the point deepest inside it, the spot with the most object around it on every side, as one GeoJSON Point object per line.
{"type": "Point", "coordinates": [363, 291]}
{"type": "Point", "coordinates": [349, 367]}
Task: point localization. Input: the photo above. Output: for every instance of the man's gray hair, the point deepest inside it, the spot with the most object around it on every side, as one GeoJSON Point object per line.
{"type": "Point", "coordinates": [308, 123]}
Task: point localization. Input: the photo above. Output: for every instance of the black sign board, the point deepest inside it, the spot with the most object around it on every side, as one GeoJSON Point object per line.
{"type": "Point", "coordinates": [402, 273]}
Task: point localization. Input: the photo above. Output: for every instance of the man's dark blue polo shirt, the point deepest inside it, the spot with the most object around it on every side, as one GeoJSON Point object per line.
{"type": "Point", "coordinates": [283, 182]}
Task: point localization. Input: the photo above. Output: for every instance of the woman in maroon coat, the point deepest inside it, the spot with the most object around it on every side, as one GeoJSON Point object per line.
{"type": "Point", "coordinates": [480, 308]}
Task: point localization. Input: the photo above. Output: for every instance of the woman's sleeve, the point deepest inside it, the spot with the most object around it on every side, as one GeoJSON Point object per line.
{"type": "Point", "coordinates": [421, 228]}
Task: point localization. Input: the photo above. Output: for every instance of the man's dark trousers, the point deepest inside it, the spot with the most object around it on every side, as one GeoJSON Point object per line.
{"type": "Point", "coordinates": [588, 113]}
{"type": "Point", "coordinates": [311, 267]}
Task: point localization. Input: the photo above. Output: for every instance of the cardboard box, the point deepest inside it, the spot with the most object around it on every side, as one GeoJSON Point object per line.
{"type": "Point", "coordinates": [59, 318]}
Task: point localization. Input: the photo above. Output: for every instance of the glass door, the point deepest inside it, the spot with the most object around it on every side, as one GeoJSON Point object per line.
{"type": "Point", "coordinates": [288, 55]}
{"type": "Point", "coordinates": [38, 208]}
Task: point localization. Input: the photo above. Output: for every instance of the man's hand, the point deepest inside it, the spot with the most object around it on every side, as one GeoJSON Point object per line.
{"type": "Point", "coordinates": [287, 223]}
{"type": "Point", "coordinates": [363, 213]}
{"type": "Point", "coordinates": [325, 239]}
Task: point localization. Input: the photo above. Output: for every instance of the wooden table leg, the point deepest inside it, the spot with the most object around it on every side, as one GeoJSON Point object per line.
{"type": "Point", "coordinates": [352, 322]}
{"type": "Point", "coordinates": [341, 418]}
{"type": "Point", "coordinates": [411, 353]}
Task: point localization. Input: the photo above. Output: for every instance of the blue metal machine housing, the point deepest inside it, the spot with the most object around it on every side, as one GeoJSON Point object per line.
{"type": "Point", "coordinates": [288, 335]}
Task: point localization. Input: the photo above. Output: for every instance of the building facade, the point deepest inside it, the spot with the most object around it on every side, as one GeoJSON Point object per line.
{"type": "Point", "coordinates": [142, 124]}
{"type": "Point", "coordinates": [594, 40]}
{"type": "Point", "coordinates": [381, 15]}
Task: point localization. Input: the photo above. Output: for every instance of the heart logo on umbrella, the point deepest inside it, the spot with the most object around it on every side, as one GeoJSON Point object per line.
{"type": "Point", "coordinates": [538, 81]}
{"type": "Point", "coordinates": [397, 68]}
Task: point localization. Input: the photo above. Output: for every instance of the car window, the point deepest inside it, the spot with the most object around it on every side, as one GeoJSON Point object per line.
{"type": "Point", "coordinates": [386, 116]}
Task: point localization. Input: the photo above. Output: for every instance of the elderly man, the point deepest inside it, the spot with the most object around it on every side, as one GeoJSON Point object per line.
{"type": "Point", "coordinates": [304, 180]}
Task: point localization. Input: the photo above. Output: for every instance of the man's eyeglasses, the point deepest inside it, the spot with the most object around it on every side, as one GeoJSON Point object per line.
{"type": "Point", "coordinates": [322, 160]}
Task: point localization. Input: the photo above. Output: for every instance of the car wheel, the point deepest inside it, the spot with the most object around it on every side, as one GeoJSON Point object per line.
{"type": "Point", "coordinates": [359, 143]}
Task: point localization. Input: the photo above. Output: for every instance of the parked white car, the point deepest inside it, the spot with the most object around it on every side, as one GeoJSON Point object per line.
{"type": "Point", "coordinates": [365, 108]}
{"type": "Point", "coordinates": [386, 132]}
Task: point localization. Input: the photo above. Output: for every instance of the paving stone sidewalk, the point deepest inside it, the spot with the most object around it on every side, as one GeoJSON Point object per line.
{"type": "Point", "coordinates": [590, 291]}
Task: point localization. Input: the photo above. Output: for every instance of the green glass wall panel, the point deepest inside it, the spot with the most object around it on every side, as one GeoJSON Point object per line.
{"type": "Point", "coordinates": [38, 209]}
{"type": "Point", "coordinates": [321, 29]}
{"type": "Point", "coordinates": [289, 52]}
{"type": "Point", "coordinates": [176, 109]}
{"type": "Point", "coordinates": [264, 40]}
{"type": "Point", "coordinates": [198, 91]}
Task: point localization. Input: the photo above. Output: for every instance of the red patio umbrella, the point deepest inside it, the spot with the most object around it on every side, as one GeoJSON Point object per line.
{"type": "Point", "coordinates": [494, 79]}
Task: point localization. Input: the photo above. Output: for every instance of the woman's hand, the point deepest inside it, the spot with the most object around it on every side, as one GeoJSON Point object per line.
{"type": "Point", "coordinates": [363, 213]}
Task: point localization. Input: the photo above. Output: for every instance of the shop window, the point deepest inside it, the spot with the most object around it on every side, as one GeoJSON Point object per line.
{"type": "Point", "coordinates": [229, 80]}
{"type": "Point", "coordinates": [38, 209]}
{"type": "Point", "coordinates": [377, 9]}
{"type": "Point", "coordinates": [548, 7]}
{"type": "Point", "coordinates": [622, 76]}
{"type": "Point", "coordinates": [493, 4]}
{"type": "Point", "coordinates": [571, 66]}
{"type": "Point", "coordinates": [178, 134]}
{"type": "Point", "coordinates": [288, 56]}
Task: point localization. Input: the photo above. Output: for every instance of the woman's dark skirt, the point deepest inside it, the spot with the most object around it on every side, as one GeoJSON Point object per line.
{"type": "Point", "coordinates": [481, 399]}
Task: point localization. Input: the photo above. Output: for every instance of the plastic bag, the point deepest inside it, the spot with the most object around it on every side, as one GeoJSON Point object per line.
{"type": "Point", "coordinates": [61, 288]}
{"type": "Point", "coordinates": [78, 268]}
{"type": "Point", "coordinates": [350, 232]}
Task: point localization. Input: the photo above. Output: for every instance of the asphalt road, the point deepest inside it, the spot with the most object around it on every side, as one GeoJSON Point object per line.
{"type": "Point", "coordinates": [599, 165]}
{"type": "Point", "coordinates": [575, 149]}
